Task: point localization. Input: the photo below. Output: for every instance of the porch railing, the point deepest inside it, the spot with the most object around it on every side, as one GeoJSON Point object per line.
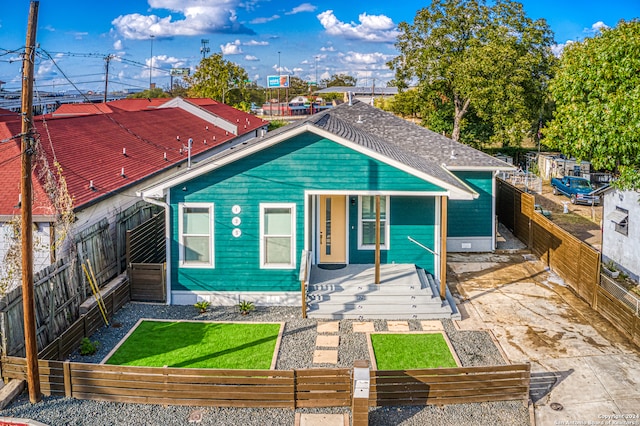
{"type": "Point", "coordinates": [305, 274]}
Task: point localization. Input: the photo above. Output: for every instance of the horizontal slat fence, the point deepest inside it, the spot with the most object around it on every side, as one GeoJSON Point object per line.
{"type": "Point", "coordinates": [320, 387]}
{"type": "Point", "coordinates": [450, 385]}
{"type": "Point", "coordinates": [576, 262]}
{"type": "Point", "coordinates": [273, 388]}
{"type": "Point", "coordinates": [148, 282]}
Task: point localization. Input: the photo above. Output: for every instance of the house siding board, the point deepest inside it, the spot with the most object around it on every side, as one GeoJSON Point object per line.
{"type": "Point", "coordinates": [409, 217]}
{"type": "Point", "coordinates": [279, 174]}
{"type": "Point", "coordinates": [472, 218]}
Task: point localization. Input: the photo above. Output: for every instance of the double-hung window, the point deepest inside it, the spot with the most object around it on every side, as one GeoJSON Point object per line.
{"type": "Point", "coordinates": [195, 223]}
{"type": "Point", "coordinates": [367, 222]}
{"type": "Point", "coordinates": [277, 235]}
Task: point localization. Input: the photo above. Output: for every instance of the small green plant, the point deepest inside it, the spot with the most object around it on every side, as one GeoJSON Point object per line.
{"type": "Point", "coordinates": [246, 307]}
{"type": "Point", "coordinates": [202, 306]}
{"type": "Point", "coordinates": [87, 347]}
{"type": "Point", "coordinates": [610, 265]}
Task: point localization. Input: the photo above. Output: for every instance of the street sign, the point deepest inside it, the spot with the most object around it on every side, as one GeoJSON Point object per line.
{"type": "Point", "coordinates": [180, 72]}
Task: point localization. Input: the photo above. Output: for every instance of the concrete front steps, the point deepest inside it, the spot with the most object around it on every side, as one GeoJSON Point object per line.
{"type": "Point", "coordinates": [405, 292]}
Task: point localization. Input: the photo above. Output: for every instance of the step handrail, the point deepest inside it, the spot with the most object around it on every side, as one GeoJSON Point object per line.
{"type": "Point", "coordinates": [423, 246]}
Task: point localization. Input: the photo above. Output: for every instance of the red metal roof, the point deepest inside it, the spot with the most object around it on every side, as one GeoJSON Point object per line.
{"type": "Point", "coordinates": [7, 115]}
{"type": "Point", "coordinates": [10, 172]}
{"type": "Point", "coordinates": [66, 110]}
{"type": "Point", "coordinates": [246, 122]}
{"type": "Point", "coordinates": [138, 104]}
{"type": "Point", "coordinates": [90, 148]}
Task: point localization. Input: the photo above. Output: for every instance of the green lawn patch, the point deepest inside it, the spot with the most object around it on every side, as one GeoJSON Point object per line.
{"type": "Point", "coordinates": [198, 344]}
{"type": "Point", "coordinates": [411, 351]}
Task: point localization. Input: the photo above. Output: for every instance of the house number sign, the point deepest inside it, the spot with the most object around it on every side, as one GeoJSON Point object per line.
{"type": "Point", "coordinates": [236, 232]}
{"type": "Point", "coordinates": [236, 221]}
{"type": "Point", "coordinates": [236, 209]}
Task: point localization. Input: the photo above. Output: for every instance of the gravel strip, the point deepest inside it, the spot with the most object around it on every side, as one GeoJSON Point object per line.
{"type": "Point", "coordinates": [474, 348]}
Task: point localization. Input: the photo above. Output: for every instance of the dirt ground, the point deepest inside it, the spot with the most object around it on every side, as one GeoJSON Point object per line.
{"type": "Point", "coordinates": [581, 221]}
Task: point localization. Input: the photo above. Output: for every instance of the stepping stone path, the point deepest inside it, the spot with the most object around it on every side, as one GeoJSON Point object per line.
{"type": "Point", "coordinates": [327, 338]}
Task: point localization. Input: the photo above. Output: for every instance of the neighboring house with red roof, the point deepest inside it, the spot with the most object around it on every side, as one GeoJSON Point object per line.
{"type": "Point", "coordinates": [107, 152]}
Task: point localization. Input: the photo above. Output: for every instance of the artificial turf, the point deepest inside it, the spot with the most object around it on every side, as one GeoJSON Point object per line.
{"type": "Point", "coordinates": [411, 351]}
{"type": "Point", "coordinates": [199, 345]}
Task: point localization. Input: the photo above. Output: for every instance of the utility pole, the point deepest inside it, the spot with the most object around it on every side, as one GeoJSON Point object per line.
{"type": "Point", "coordinates": [107, 59]}
{"type": "Point", "coordinates": [204, 48]}
{"type": "Point", "coordinates": [26, 222]}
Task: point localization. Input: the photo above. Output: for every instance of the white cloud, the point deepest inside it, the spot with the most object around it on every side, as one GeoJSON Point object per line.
{"type": "Point", "coordinates": [200, 17]}
{"type": "Point", "coordinates": [49, 28]}
{"type": "Point", "coordinates": [366, 58]}
{"type": "Point", "coordinates": [251, 58]}
{"type": "Point", "coordinates": [265, 20]}
{"type": "Point", "coordinates": [374, 28]}
{"type": "Point", "coordinates": [231, 48]}
{"type": "Point", "coordinates": [298, 70]}
{"type": "Point", "coordinates": [160, 65]}
{"type": "Point", "coordinates": [255, 43]}
{"type": "Point", "coordinates": [283, 69]}
{"type": "Point", "coordinates": [305, 62]}
{"type": "Point", "coordinates": [117, 45]}
{"type": "Point", "coordinates": [78, 35]}
{"type": "Point", "coordinates": [327, 49]}
{"type": "Point", "coordinates": [557, 49]}
{"type": "Point", "coordinates": [304, 7]}
{"type": "Point", "coordinates": [597, 27]}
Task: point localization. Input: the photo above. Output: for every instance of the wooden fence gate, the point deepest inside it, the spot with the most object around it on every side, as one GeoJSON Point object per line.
{"type": "Point", "coordinates": [146, 255]}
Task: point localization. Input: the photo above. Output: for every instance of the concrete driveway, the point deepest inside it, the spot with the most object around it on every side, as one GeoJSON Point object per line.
{"type": "Point", "coordinates": [583, 370]}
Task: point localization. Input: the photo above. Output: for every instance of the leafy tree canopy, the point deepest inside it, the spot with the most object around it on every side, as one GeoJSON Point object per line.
{"type": "Point", "coordinates": [481, 71]}
{"type": "Point", "coordinates": [156, 92]}
{"type": "Point", "coordinates": [339, 80]}
{"type": "Point", "coordinates": [597, 96]}
{"type": "Point", "coordinates": [219, 79]}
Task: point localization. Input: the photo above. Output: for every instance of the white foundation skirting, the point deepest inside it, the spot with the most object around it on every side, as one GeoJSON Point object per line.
{"type": "Point", "coordinates": [231, 298]}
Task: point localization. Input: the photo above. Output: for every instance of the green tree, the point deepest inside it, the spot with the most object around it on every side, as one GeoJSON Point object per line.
{"type": "Point", "coordinates": [339, 80]}
{"type": "Point", "coordinates": [219, 79]}
{"type": "Point", "coordinates": [156, 92]}
{"type": "Point", "coordinates": [482, 71]}
{"type": "Point", "coordinates": [298, 87]}
{"type": "Point", "coordinates": [597, 96]}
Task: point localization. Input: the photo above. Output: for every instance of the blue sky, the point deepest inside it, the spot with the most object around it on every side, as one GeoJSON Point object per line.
{"type": "Point", "coordinates": [337, 36]}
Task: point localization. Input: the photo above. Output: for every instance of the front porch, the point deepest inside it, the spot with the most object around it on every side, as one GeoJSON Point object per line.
{"type": "Point", "coordinates": [405, 292]}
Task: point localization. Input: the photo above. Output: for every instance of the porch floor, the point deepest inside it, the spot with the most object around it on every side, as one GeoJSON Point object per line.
{"type": "Point", "coordinates": [404, 292]}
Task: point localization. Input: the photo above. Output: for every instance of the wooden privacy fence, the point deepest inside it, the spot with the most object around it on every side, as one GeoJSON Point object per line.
{"type": "Point", "coordinates": [576, 262]}
{"type": "Point", "coordinates": [126, 220]}
{"type": "Point", "coordinates": [330, 387]}
{"type": "Point", "coordinates": [86, 325]}
{"type": "Point", "coordinates": [58, 295]}
{"type": "Point", "coordinates": [450, 385]}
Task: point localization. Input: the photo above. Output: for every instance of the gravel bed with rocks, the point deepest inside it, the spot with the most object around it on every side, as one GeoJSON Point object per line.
{"type": "Point", "coordinates": [474, 348]}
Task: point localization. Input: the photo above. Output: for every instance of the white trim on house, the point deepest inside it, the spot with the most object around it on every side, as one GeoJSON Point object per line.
{"type": "Point", "coordinates": [387, 242]}
{"type": "Point", "coordinates": [292, 254]}
{"type": "Point", "coordinates": [181, 257]}
{"type": "Point", "coordinates": [507, 167]}
{"type": "Point", "coordinates": [385, 193]}
{"type": "Point", "coordinates": [156, 191]}
{"type": "Point", "coordinates": [494, 219]}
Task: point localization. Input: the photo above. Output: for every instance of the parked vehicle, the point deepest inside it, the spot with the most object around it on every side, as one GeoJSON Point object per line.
{"type": "Point", "coordinates": [579, 190]}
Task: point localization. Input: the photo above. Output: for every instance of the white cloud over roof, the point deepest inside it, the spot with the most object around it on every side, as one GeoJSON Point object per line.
{"type": "Point", "coordinates": [373, 28]}
{"type": "Point", "coordinates": [231, 48]}
{"type": "Point", "coordinates": [200, 17]}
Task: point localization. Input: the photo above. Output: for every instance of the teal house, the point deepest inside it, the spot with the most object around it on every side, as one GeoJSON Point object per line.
{"type": "Point", "coordinates": [242, 224]}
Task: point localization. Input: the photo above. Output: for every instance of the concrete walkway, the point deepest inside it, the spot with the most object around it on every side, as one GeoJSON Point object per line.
{"type": "Point", "coordinates": [583, 370]}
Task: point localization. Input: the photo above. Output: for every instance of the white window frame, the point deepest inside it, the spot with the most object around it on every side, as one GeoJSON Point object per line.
{"type": "Point", "coordinates": [292, 262]}
{"type": "Point", "coordinates": [182, 262]}
{"type": "Point", "coordinates": [387, 228]}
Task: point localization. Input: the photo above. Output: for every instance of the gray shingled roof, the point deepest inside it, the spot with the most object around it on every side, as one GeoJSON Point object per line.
{"type": "Point", "coordinates": [414, 139]}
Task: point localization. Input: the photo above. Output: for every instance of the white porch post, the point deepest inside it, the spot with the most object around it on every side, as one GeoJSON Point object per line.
{"type": "Point", "coordinates": [377, 261]}
{"type": "Point", "coordinates": [443, 247]}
